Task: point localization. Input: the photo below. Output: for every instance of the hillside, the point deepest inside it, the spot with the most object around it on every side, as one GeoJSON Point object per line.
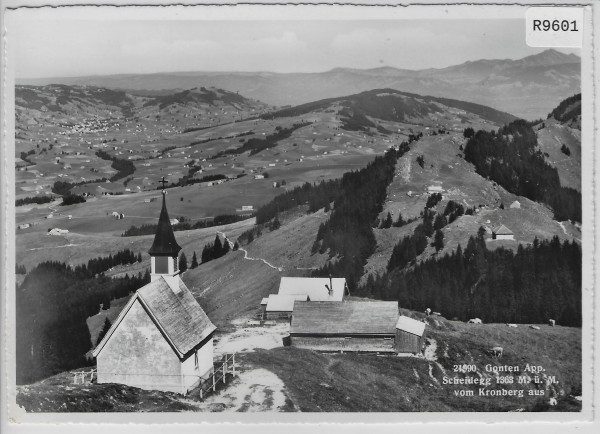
{"type": "Point", "coordinates": [384, 151]}
{"type": "Point", "coordinates": [527, 87]}
{"type": "Point", "coordinates": [559, 136]}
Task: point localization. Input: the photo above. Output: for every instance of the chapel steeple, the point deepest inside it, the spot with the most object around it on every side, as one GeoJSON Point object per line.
{"type": "Point", "coordinates": [165, 250]}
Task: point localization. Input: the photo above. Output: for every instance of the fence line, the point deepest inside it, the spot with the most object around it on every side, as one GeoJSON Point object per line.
{"type": "Point", "coordinates": [79, 377]}
{"type": "Point", "coordinates": [220, 372]}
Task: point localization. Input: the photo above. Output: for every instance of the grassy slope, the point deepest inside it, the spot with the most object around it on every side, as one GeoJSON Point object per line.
{"type": "Point", "coordinates": [550, 140]}
{"type": "Point", "coordinates": [328, 382]}
{"type": "Point", "coordinates": [352, 382]}
{"type": "Point", "coordinates": [463, 185]}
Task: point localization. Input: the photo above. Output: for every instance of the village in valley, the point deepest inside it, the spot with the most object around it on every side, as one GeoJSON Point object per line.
{"type": "Point", "coordinates": [195, 249]}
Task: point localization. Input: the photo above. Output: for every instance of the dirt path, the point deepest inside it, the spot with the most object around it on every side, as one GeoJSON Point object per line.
{"type": "Point", "coordinates": [252, 390]}
{"type": "Point", "coordinates": [249, 338]}
{"type": "Point", "coordinates": [246, 253]}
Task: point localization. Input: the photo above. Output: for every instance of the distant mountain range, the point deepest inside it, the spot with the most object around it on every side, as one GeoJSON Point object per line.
{"type": "Point", "coordinates": [527, 87]}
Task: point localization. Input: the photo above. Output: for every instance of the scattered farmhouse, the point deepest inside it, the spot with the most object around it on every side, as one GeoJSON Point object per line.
{"type": "Point", "coordinates": [57, 231]}
{"type": "Point", "coordinates": [162, 339]}
{"type": "Point", "coordinates": [516, 204]}
{"type": "Point", "coordinates": [24, 225]}
{"type": "Point", "coordinates": [435, 189]}
{"type": "Point", "coordinates": [259, 176]}
{"type": "Point", "coordinates": [502, 233]}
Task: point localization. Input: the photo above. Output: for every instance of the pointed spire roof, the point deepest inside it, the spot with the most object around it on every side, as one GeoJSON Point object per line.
{"type": "Point", "coordinates": [164, 241]}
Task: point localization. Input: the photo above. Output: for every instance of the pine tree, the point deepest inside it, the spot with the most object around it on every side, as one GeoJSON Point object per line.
{"type": "Point", "coordinates": [105, 328]}
{"type": "Point", "coordinates": [218, 247]}
{"type": "Point", "coordinates": [194, 260]}
{"type": "Point", "coordinates": [183, 265]}
{"type": "Point", "coordinates": [139, 257]}
{"type": "Point", "coordinates": [438, 242]}
{"type": "Point", "coordinates": [387, 223]}
{"type": "Point", "coordinates": [236, 246]}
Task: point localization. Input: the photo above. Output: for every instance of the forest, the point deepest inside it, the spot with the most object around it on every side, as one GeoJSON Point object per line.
{"type": "Point", "coordinates": [539, 282]}
{"type": "Point", "coordinates": [566, 110]}
{"type": "Point", "coordinates": [348, 234]}
{"type": "Point", "coordinates": [52, 305]}
{"type": "Point", "coordinates": [255, 145]}
{"type": "Point", "coordinates": [36, 199]}
{"type": "Point", "coordinates": [511, 159]}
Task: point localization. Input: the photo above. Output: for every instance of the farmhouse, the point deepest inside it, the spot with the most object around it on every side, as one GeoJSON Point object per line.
{"type": "Point", "coordinates": [24, 226]}
{"type": "Point", "coordinates": [345, 326]}
{"type": "Point", "coordinates": [502, 233]}
{"type": "Point", "coordinates": [516, 204]}
{"type": "Point", "coordinates": [291, 289]}
{"type": "Point", "coordinates": [435, 189]}
{"type": "Point", "coordinates": [162, 339]}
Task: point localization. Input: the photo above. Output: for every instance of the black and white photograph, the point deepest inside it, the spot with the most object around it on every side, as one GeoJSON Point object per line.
{"type": "Point", "coordinates": [334, 209]}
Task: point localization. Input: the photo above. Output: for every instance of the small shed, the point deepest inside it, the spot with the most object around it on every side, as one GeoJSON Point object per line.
{"type": "Point", "coordinates": [502, 233]}
{"type": "Point", "coordinates": [281, 306]}
{"type": "Point", "coordinates": [410, 335]}
{"type": "Point", "coordinates": [516, 204]}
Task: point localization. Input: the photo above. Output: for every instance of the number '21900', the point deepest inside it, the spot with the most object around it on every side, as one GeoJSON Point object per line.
{"type": "Point", "coordinates": [555, 26]}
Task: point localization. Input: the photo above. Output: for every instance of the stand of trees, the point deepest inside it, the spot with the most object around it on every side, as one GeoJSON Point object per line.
{"type": "Point", "coordinates": [538, 282]}
{"type": "Point", "coordinates": [63, 188]}
{"type": "Point", "coordinates": [35, 199]}
{"type": "Point", "coordinates": [214, 250]}
{"type": "Point", "coordinates": [511, 158]}
{"type": "Point", "coordinates": [567, 109]}
{"type": "Point", "coordinates": [219, 220]}
{"type": "Point", "coordinates": [72, 199]}
{"type": "Point", "coordinates": [316, 195]}
{"type": "Point", "coordinates": [124, 168]}
{"type": "Point", "coordinates": [52, 306]}
{"type": "Point", "coordinates": [101, 264]}
{"type": "Point", "coordinates": [256, 145]}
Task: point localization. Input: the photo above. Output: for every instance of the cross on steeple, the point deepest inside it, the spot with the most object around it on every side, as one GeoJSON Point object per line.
{"type": "Point", "coordinates": [164, 182]}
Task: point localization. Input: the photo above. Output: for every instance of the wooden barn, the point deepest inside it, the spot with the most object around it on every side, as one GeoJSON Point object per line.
{"type": "Point", "coordinates": [410, 335]}
{"type": "Point", "coordinates": [162, 339]}
{"type": "Point", "coordinates": [502, 233]}
{"type": "Point", "coordinates": [345, 326]}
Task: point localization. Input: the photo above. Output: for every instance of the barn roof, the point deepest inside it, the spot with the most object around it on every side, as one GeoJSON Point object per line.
{"type": "Point", "coordinates": [313, 287]}
{"type": "Point", "coordinates": [164, 241]}
{"type": "Point", "coordinates": [346, 318]}
{"type": "Point", "coordinates": [503, 230]}
{"type": "Point", "coordinates": [283, 303]}
{"type": "Point", "coordinates": [175, 312]}
{"type": "Point", "coordinates": [410, 325]}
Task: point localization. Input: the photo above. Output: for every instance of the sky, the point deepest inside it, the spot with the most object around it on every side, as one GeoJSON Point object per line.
{"type": "Point", "coordinates": [45, 48]}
